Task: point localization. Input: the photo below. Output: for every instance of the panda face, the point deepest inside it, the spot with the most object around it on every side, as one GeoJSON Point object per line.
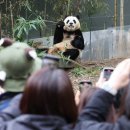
{"type": "Point", "coordinates": [71, 23]}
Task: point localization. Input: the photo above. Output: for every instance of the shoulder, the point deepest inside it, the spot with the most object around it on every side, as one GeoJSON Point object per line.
{"type": "Point", "coordinates": [94, 125]}
{"type": "Point", "coordinates": [123, 123]}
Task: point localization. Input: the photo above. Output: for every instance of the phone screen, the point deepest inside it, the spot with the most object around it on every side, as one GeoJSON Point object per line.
{"type": "Point", "coordinates": [107, 73]}
{"type": "Point", "coordinates": [83, 84]}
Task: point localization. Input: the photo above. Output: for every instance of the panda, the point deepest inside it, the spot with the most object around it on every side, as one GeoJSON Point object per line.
{"type": "Point", "coordinates": [68, 38]}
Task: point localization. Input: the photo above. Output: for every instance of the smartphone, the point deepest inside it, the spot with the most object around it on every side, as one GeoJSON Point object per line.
{"type": "Point", "coordinates": [84, 83]}
{"type": "Point", "coordinates": [107, 71]}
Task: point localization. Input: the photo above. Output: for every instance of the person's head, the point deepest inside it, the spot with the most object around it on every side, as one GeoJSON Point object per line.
{"type": "Point", "coordinates": [86, 95]}
{"type": "Point", "coordinates": [17, 62]}
{"type": "Point", "coordinates": [49, 92]}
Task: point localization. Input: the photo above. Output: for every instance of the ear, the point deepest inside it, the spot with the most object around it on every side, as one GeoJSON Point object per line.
{"type": "Point", "coordinates": [6, 42]}
{"type": "Point", "coordinates": [77, 16]}
{"type": "Point", "coordinates": [66, 16]}
{"type": "Point", "coordinates": [30, 54]}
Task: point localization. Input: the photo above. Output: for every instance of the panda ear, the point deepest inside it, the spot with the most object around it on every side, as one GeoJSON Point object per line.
{"type": "Point", "coordinates": [77, 16]}
{"type": "Point", "coordinates": [65, 16]}
{"type": "Point", "coordinates": [6, 42]}
{"type": "Point", "coordinates": [30, 53]}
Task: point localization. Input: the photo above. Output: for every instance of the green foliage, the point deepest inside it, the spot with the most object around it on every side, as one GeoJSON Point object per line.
{"type": "Point", "coordinates": [83, 7]}
{"type": "Point", "coordinates": [23, 26]}
{"type": "Point", "coordinates": [92, 7]}
{"type": "Point", "coordinates": [53, 10]}
{"type": "Point", "coordinates": [40, 54]}
{"type": "Point", "coordinates": [64, 59]}
{"type": "Point", "coordinates": [78, 71]}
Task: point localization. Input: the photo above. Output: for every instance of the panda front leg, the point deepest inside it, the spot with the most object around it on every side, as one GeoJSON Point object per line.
{"type": "Point", "coordinates": [78, 42]}
{"type": "Point", "coordinates": [72, 53]}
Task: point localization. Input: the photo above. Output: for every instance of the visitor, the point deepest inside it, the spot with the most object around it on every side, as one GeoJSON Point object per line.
{"type": "Point", "coordinates": [18, 62]}
{"type": "Point", "coordinates": [86, 95]}
{"type": "Point", "coordinates": [93, 116]}
{"type": "Point", "coordinates": [47, 103]}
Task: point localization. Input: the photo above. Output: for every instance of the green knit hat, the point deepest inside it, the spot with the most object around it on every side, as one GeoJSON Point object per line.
{"type": "Point", "coordinates": [18, 61]}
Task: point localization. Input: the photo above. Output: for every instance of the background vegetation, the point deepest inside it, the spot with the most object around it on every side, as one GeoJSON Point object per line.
{"type": "Point", "coordinates": [50, 11]}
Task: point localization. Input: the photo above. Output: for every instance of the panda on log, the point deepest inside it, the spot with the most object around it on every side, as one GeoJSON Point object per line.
{"type": "Point", "coordinates": [68, 38]}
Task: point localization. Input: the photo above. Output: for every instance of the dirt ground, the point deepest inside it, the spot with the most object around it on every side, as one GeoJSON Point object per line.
{"type": "Point", "coordinates": [95, 68]}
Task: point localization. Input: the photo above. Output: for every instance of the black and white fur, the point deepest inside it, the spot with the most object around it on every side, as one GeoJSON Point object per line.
{"type": "Point", "coordinates": [68, 28]}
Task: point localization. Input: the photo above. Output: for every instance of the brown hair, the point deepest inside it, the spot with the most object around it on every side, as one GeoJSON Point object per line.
{"type": "Point", "coordinates": [124, 108]}
{"type": "Point", "coordinates": [49, 92]}
{"type": "Point", "coordinates": [122, 98]}
{"type": "Point", "coordinates": [86, 95]}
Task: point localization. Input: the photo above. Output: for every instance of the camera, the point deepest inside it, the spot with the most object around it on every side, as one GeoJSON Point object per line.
{"type": "Point", "coordinates": [84, 83]}
{"type": "Point", "coordinates": [107, 71]}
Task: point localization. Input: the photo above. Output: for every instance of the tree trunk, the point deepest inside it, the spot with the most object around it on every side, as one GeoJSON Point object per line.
{"type": "Point", "coordinates": [115, 13]}
{"type": "Point", "coordinates": [121, 44]}
{"type": "Point", "coordinates": [121, 14]}
{"type": "Point", "coordinates": [0, 25]}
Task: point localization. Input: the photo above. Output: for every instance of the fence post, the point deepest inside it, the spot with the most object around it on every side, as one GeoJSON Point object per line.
{"type": "Point", "coordinates": [90, 47]}
{"type": "Point", "coordinates": [0, 24]}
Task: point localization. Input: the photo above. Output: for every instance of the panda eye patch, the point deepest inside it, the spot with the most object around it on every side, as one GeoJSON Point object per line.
{"type": "Point", "coordinates": [67, 21]}
{"type": "Point", "coordinates": [74, 21]}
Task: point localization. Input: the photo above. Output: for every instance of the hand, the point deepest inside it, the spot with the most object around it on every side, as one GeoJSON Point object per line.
{"type": "Point", "coordinates": [77, 97]}
{"type": "Point", "coordinates": [101, 80]}
{"type": "Point", "coordinates": [121, 75]}
{"type": "Point", "coordinates": [60, 24]}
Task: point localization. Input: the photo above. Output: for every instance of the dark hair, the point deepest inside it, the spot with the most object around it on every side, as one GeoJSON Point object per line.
{"type": "Point", "coordinates": [86, 95]}
{"type": "Point", "coordinates": [123, 102]}
{"type": "Point", "coordinates": [49, 92]}
{"type": "Point", "coordinates": [126, 107]}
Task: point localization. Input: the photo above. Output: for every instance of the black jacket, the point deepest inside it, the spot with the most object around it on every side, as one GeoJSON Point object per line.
{"type": "Point", "coordinates": [92, 117]}
{"type": "Point", "coordinates": [35, 122]}
{"type": "Point", "coordinates": [94, 114]}
{"type": "Point", "coordinates": [12, 119]}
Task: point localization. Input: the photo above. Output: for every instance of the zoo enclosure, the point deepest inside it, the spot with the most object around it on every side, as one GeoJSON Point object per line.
{"type": "Point", "coordinates": [106, 42]}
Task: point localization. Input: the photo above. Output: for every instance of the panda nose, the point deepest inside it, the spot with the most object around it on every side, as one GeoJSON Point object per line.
{"type": "Point", "coordinates": [71, 23]}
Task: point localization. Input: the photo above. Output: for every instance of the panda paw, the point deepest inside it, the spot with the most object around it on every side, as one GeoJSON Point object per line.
{"type": "Point", "coordinates": [60, 24]}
